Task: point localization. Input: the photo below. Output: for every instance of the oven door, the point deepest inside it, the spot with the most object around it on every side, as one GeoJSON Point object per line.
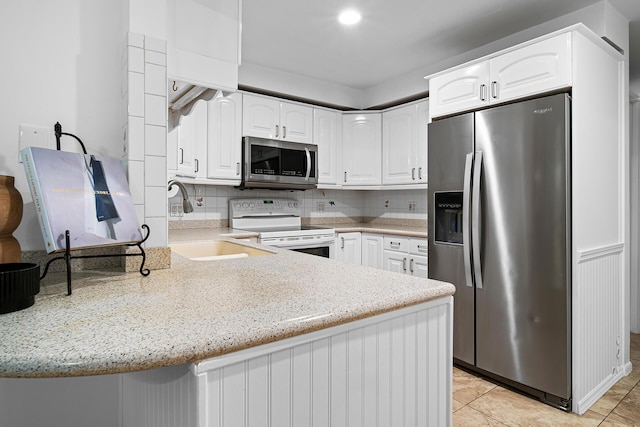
{"type": "Point", "coordinates": [270, 163]}
{"type": "Point", "coordinates": [324, 247]}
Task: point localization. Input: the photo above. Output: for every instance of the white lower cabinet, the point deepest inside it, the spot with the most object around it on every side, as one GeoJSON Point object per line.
{"type": "Point", "coordinates": [349, 247]}
{"type": "Point", "coordinates": [372, 250]}
{"type": "Point", "coordinates": [391, 369]}
{"type": "Point", "coordinates": [406, 255]}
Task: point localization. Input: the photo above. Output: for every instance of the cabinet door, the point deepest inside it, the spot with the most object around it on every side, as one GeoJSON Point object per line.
{"type": "Point", "coordinates": [395, 261]}
{"type": "Point", "coordinates": [192, 141]}
{"type": "Point", "coordinates": [418, 266]}
{"type": "Point", "coordinates": [362, 149]}
{"type": "Point", "coordinates": [327, 133]}
{"type": "Point", "coordinates": [418, 246]}
{"type": "Point", "coordinates": [349, 248]}
{"type": "Point", "coordinates": [260, 117]}
{"type": "Point", "coordinates": [372, 250]}
{"type": "Point", "coordinates": [422, 142]}
{"type": "Point", "coordinates": [399, 144]}
{"type": "Point", "coordinates": [172, 151]}
{"type": "Point", "coordinates": [224, 148]}
{"type": "Point", "coordinates": [533, 69]}
{"type": "Point", "coordinates": [459, 90]}
{"type": "Point", "coordinates": [296, 123]}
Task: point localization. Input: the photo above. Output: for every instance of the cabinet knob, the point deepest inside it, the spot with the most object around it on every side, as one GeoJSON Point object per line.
{"type": "Point", "coordinates": [413, 174]}
{"type": "Point", "coordinates": [238, 168]}
{"type": "Point", "coordinates": [420, 172]}
{"type": "Point", "coordinates": [341, 242]}
{"type": "Point", "coordinates": [277, 130]}
{"type": "Point", "coordinates": [345, 176]}
{"type": "Point", "coordinates": [411, 265]}
{"type": "Point", "coordinates": [197, 165]}
{"type": "Point", "coordinates": [284, 132]}
{"type": "Point", "coordinates": [181, 156]}
{"type": "Point", "coordinates": [483, 92]}
{"type": "Point", "coordinates": [404, 264]}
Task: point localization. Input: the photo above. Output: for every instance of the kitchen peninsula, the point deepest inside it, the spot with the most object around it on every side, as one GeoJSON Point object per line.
{"type": "Point", "coordinates": [277, 337]}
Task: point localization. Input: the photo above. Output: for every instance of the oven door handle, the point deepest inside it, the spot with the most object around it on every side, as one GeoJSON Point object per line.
{"type": "Point", "coordinates": [298, 243]}
{"type": "Point", "coordinates": [306, 150]}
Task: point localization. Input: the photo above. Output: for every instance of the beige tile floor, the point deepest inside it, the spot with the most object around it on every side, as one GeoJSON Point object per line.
{"type": "Point", "coordinates": [477, 402]}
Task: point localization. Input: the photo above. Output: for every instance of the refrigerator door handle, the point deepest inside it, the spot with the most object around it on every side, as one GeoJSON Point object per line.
{"type": "Point", "coordinates": [475, 219]}
{"type": "Point", "coordinates": [466, 220]}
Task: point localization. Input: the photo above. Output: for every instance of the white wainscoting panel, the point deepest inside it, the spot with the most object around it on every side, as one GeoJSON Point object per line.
{"type": "Point", "coordinates": [392, 370]}
{"type": "Point", "coordinates": [597, 324]}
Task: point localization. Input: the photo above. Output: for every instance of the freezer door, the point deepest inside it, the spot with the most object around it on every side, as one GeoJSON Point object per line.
{"type": "Point", "coordinates": [523, 307]}
{"type": "Point", "coordinates": [450, 141]}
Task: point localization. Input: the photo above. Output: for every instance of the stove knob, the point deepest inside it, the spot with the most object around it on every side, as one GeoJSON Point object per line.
{"type": "Point", "coordinates": [295, 204]}
{"type": "Point", "coordinates": [245, 205]}
{"type": "Point", "coordinates": [251, 205]}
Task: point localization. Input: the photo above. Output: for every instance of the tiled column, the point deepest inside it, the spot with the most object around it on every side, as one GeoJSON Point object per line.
{"type": "Point", "coordinates": [146, 137]}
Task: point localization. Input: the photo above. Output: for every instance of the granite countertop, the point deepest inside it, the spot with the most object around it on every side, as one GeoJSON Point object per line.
{"type": "Point", "coordinates": [122, 322]}
{"type": "Point", "coordinates": [398, 230]}
{"type": "Point", "coordinates": [196, 234]}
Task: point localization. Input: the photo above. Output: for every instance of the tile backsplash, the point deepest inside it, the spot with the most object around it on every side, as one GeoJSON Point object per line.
{"type": "Point", "coordinates": [210, 202]}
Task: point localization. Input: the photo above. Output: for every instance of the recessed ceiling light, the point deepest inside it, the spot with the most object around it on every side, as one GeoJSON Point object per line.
{"type": "Point", "coordinates": [349, 17]}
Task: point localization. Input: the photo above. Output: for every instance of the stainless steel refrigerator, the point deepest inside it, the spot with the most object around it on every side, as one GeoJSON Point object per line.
{"type": "Point", "coordinates": [500, 231]}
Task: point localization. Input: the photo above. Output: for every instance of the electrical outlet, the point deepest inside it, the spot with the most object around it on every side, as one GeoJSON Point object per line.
{"type": "Point", "coordinates": [175, 210]}
{"type": "Point", "coordinates": [320, 206]}
{"type": "Point", "coordinates": [412, 206]}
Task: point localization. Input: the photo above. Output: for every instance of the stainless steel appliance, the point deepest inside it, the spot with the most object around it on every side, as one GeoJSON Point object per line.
{"type": "Point", "coordinates": [269, 163]}
{"type": "Point", "coordinates": [499, 230]}
{"type": "Point", "coordinates": [278, 221]}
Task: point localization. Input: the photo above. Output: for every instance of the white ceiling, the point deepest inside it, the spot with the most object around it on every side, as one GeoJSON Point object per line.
{"type": "Point", "coordinates": [394, 37]}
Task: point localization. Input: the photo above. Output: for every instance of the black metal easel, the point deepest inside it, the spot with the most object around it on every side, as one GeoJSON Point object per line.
{"type": "Point", "coordinates": [67, 257]}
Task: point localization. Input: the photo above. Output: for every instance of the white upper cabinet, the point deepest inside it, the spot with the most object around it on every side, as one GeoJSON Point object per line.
{"type": "Point", "coordinates": [528, 70]}
{"type": "Point", "coordinates": [192, 142]}
{"type": "Point", "coordinates": [361, 149]}
{"type": "Point", "coordinates": [327, 135]}
{"type": "Point", "coordinates": [404, 144]}
{"type": "Point", "coordinates": [203, 44]}
{"type": "Point", "coordinates": [459, 90]}
{"type": "Point", "coordinates": [271, 118]}
{"type": "Point", "coordinates": [296, 122]}
{"type": "Point", "coordinates": [224, 135]}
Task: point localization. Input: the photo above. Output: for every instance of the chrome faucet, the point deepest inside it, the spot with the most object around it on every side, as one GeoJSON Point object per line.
{"type": "Point", "coordinates": [186, 204]}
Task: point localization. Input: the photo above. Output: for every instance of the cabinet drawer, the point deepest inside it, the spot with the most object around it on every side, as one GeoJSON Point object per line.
{"type": "Point", "coordinates": [418, 246]}
{"type": "Point", "coordinates": [396, 243]}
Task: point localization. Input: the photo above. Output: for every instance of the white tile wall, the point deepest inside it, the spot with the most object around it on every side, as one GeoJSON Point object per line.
{"type": "Point", "coordinates": [155, 79]}
{"type": "Point", "coordinates": [155, 109]}
{"type": "Point", "coordinates": [155, 140]}
{"type": "Point", "coordinates": [136, 138]}
{"type": "Point", "coordinates": [146, 121]}
{"type": "Point", "coordinates": [136, 94]}
{"type": "Point", "coordinates": [136, 59]}
{"type": "Point", "coordinates": [315, 203]}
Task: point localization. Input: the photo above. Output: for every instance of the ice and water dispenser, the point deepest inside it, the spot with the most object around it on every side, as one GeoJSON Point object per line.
{"type": "Point", "coordinates": [448, 215]}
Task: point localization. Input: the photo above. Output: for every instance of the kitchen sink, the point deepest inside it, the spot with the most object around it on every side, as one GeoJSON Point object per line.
{"type": "Point", "coordinates": [216, 250]}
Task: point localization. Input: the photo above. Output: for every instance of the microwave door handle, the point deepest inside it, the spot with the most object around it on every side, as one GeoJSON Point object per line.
{"type": "Point", "coordinates": [466, 220]}
{"type": "Point", "coordinates": [306, 150]}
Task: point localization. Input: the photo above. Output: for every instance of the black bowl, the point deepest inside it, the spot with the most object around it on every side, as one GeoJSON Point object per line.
{"type": "Point", "coordinates": [19, 284]}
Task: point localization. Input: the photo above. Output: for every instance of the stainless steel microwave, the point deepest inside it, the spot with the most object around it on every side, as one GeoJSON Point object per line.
{"type": "Point", "coordinates": [270, 163]}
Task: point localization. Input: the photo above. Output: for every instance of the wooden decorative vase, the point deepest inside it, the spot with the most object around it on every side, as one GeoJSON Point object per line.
{"type": "Point", "coordinates": [10, 217]}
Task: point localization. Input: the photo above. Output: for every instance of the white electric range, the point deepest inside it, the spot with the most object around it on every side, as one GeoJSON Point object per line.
{"type": "Point", "coordinates": [278, 222]}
